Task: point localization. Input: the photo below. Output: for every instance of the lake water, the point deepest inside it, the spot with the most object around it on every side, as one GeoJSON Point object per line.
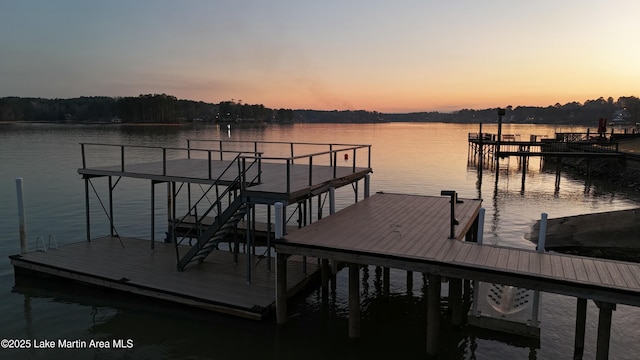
{"type": "Point", "coordinates": [406, 158]}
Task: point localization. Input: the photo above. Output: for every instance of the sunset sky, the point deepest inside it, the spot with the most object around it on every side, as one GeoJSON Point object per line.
{"type": "Point", "coordinates": [388, 56]}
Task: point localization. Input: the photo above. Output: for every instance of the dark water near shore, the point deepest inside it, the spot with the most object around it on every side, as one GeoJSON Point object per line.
{"type": "Point", "coordinates": [406, 158]}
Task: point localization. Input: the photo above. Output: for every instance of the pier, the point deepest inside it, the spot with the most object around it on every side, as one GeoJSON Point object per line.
{"type": "Point", "coordinates": [412, 233]}
{"type": "Point", "coordinates": [274, 189]}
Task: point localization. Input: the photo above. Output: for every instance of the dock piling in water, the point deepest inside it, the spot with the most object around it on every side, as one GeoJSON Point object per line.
{"type": "Point", "coordinates": [21, 215]}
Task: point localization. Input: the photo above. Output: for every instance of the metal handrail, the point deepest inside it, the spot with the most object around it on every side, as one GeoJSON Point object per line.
{"type": "Point", "coordinates": [240, 181]}
{"type": "Point", "coordinates": [164, 154]}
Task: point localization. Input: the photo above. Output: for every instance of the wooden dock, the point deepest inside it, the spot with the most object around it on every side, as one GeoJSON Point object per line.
{"type": "Point", "coordinates": [217, 284]}
{"type": "Point", "coordinates": [411, 233]}
{"type": "Point", "coordinates": [188, 267]}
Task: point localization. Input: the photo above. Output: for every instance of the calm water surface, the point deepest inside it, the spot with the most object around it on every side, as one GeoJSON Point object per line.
{"type": "Point", "coordinates": [406, 158]}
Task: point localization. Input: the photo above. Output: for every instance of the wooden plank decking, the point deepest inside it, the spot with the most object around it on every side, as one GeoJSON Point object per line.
{"type": "Point", "coordinates": [411, 232]}
{"type": "Point", "coordinates": [216, 284]}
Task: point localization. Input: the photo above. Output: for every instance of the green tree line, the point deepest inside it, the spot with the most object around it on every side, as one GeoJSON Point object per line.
{"type": "Point", "coordinates": [148, 108]}
{"type": "Point", "coordinates": [162, 108]}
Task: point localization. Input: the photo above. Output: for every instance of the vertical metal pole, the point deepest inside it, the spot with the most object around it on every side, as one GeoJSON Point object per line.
{"type": "Point", "coordinates": [110, 206]}
{"type": "Point", "coordinates": [356, 190]}
{"type": "Point", "coordinates": [189, 199]}
{"type": "Point", "coordinates": [248, 245]}
{"type": "Point", "coordinates": [153, 214]}
{"type": "Point", "coordinates": [332, 200]}
{"type": "Point", "coordinates": [279, 223]}
{"type": "Point", "coordinates": [21, 215]}
{"type": "Point", "coordinates": [86, 201]}
{"type": "Point", "coordinates": [173, 212]}
{"type": "Point", "coordinates": [367, 185]}
{"type": "Point", "coordinates": [269, 238]}
{"type": "Point", "coordinates": [289, 162]}
{"type": "Point", "coordinates": [122, 158]}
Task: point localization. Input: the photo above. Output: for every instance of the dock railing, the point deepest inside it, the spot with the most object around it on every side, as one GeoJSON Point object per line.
{"type": "Point", "coordinates": [144, 153]}
{"type": "Point", "coordinates": [328, 157]}
{"type": "Point", "coordinates": [118, 157]}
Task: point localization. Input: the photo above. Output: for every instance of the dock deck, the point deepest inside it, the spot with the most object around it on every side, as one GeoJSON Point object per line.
{"type": "Point", "coordinates": [216, 284]}
{"type": "Point", "coordinates": [416, 239]}
{"type": "Point", "coordinates": [410, 233]}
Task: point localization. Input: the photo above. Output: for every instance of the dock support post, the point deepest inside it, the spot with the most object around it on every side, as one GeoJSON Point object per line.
{"type": "Point", "coordinates": [269, 238]}
{"type": "Point", "coordinates": [110, 206]}
{"type": "Point", "coordinates": [248, 245]}
{"type": "Point", "coordinates": [581, 322]}
{"type": "Point", "coordinates": [354, 301]}
{"type": "Point", "coordinates": [433, 314]}
{"type": "Point", "coordinates": [542, 235]}
{"type": "Point", "coordinates": [386, 282]}
{"type": "Point", "coordinates": [170, 214]}
{"type": "Point", "coordinates": [281, 289]}
{"type": "Point", "coordinates": [86, 201]}
{"type": "Point", "coordinates": [476, 283]}
{"type": "Point", "coordinates": [501, 113]}
{"type": "Point", "coordinates": [604, 330]}
{"type": "Point", "coordinates": [153, 214]}
{"type": "Point", "coordinates": [332, 200]}
{"type": "Point", "coordinates": [410, 283]}
{"type": "Point", "coordinates": [278, 220]}
{"type": "Point", "coordinates": [332, 210]}
{"type": "Point", "coordinates": [367, 185]}
{"type": "Point", "coordinates": [455, 301]}
{"type": "Point", "coordinates": [21, 215]}
{"type": "Point", "coordinates": [325, 271]}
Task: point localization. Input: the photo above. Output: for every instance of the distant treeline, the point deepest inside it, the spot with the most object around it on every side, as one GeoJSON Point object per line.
{"type": "Point", "coordinates": [162, 108]}
{"type": "Point", "coordinates": [586, 113]}
{"type": "Point", "coordinates": [156, 108]}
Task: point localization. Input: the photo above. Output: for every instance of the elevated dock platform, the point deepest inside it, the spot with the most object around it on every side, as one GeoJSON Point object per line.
{"type": "Point", "coordinates": [189, 267]}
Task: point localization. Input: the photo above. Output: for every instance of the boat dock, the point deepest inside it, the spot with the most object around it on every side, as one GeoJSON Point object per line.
{"type": "Point", "coordinates": [227, 192]}
{"type": "Point", "coordinates": [252, 182]}
{"type": "Point", "coordinates": [413, 233]}
{"type": "Point", "coordinates": [127, 265]}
